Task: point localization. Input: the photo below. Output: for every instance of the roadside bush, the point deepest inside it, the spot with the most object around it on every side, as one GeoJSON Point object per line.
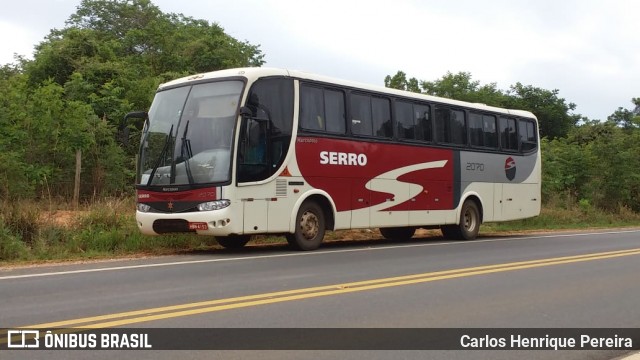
{"type": "Point", "coordinates": [11, 247]}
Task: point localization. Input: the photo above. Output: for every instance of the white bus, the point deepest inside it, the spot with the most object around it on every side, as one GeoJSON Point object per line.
{"type": "Point", "coordinates": [240, 152]}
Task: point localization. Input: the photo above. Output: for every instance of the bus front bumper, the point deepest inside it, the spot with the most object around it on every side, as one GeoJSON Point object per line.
{"type": "Point", "coordinates": [214, 222]}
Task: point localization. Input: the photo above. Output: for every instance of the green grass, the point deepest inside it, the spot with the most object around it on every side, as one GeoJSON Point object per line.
{"type": "Point", "coordinates": [108, 229]}
{"type": "Point", "coordinates": [104, 230]}
{"type": "Point", "coordinates": [563, 218]}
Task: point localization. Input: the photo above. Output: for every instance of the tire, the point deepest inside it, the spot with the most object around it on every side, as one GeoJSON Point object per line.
{"type": "Point", "coordinates": [233, 241]}
{"type": "Point", "coordinates": [310, 227]}
{"type": "Point", "coordinates": [398, 233]}
{"type": "Point", "coordinates": [469, 225]}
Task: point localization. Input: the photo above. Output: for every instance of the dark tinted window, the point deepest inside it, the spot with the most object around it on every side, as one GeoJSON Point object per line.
{"type": "Point", "coordinates": [361, 123]}
{"type": "Point", "coordinates": [483, 131]}
{"type": "Point", "coordinates": [321, 109]}
{"type": "Point", "coordinates": [422, 114]}
{"type": "Point", "coordinates": [311, 108]}
{"type": "Point", "coordinates": [265, 137]}
{"type": "Point", "coordinates": [527, 133]}
{"type": "Point", "coordinates": [405, 121]}
{"type": "Point", "coordinates": [381, 113]}
{"type": "Point", "coordinates": [476, 136]}
{"type": "Point", "coordinates": [508, 135]}
{"type": "Point", "coordinates": [450, 126]}
{"type": "Point", "coordinates": [490, 131]}
{"type": "Point", "coordinates": [334, 110]}
{"type": "Point", "coordinates": [413, 121]}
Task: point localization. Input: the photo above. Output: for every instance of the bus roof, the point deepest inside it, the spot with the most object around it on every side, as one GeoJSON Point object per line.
{"type": "Point", "coordinates": [253, 73]}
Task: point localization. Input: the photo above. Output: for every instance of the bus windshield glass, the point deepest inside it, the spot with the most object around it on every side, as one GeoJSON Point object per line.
{"type": "Point", "coordinates": [189, 136]}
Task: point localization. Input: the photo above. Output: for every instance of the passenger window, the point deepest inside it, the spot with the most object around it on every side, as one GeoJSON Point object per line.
{"type": "Point", "coordinates": [476, 137]}
{"type": "Point", "coordinates": [422, 115]}
{"type": "Point", "coordinates": [381, 114]}
{"type": "Point", "coordinates": [489, 131]}
{"type": "Point", "coordinates": [450, 126]}
{"type": "Point", "coordinates": [334, 110]}
{"type": "Point", "coordinates": [405, 121]}
{"type": "Point", "coordinates": [508, 135]}
{"type": "Point", "coordinates": [413, 121]}
{"type": "Point", "coordinates": [311, 108]}
{"type": "Point", "coordinates": [361, 123]}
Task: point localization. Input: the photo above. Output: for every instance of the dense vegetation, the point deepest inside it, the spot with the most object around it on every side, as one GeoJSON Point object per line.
{"type": "Point", "coordinates": [107, 61]}
{"type": "Point", "coordinates": [111, 56]}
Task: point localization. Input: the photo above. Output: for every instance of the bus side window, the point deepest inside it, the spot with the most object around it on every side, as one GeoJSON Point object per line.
{"type": "Point", "coordinates": [381, 116]}
{"type": "Point", "coordinates": [476, 137]}
{"type": "Point", "coordinates": [404, 120]}
{"type": "Point", "coordinates": [423, 122]}
{"type": "Point", "coordinates": [361, 123]}
{"type": "Point", "coordinates": [490, 131]}
{"type": "Point", "coordinates": [508, 135]}
{"type": "Point", "coordinates": [334, 111]}
{"type": "Point", "coordinates": [450, 126]}
{"type": "Point", "coordinates": [482, 130]}
{"type": "Point", "coordinates": [311, 108]}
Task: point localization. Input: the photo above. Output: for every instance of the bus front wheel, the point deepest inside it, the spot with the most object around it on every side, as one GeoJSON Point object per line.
{"type": "Point", "coordinates": [310, 227]}
{"type": "Point", "coordinates": [469, 225]}
{"type": "Point", "coordinates": [233, 241]}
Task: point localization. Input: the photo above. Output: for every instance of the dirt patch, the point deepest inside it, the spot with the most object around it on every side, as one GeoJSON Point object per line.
{"type": "Point", "coordinates": [62, 218]}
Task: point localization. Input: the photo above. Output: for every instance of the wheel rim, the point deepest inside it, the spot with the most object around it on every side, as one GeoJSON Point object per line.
{"type": "Point", "coordinates": [309, 225]}
{"type": "Point", "coordinates": [469, 220]}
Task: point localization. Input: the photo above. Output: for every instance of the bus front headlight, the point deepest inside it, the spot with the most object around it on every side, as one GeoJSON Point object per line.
{"type": "Point", "coordinates": [143, 207]}
{"type": "Point", "coordinates": [214, 205]}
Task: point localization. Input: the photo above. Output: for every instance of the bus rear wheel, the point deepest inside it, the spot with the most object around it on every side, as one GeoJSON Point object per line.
{"type": "Point", "coordinates": [398, 233]}
{"type": "Point", "coordinates": [233, 241]}
{"type": "Point", "coordinates": [469, 225]}
{"type": "Point", "coordinates": [310, 227]}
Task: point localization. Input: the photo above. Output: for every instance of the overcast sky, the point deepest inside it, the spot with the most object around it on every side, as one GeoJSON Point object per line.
{"type": "Point", "coordinates": [589, 50]}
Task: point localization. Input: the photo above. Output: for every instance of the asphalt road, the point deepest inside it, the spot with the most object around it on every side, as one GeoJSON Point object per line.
{"type": "Point", "coordinates": [567, 280]}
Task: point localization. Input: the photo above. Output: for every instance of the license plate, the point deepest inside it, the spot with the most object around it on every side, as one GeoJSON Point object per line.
{"type": "Point", "coordinates": [198, 226]}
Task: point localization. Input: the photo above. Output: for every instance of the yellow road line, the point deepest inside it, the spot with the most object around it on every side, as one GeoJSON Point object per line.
{"type": "Point", "coordinates": [132, 317]}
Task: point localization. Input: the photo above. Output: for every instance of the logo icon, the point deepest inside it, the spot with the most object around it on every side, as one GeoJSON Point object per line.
{"type": "Point", "coordinates": [23, 339]}
{"type": "Point", "coordinates": [510, 168]}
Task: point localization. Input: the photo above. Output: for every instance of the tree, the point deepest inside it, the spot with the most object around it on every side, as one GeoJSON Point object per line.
{"type": "Point", "coordinates": [551, 110]}
{"type": "Point", "coordinates": [399, 81]}
{"type": "Point", "coordinates": [627, 118]}
{"type": "Point", "coordinates": [460, 86]}
{"type": "Point", "coordinates": [131, 46]}
{"type": "Point", "coordinates": [107, 60]}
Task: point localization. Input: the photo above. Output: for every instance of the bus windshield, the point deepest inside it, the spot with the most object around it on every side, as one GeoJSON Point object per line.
{"type": "Point", "coordinates": [189, 135]}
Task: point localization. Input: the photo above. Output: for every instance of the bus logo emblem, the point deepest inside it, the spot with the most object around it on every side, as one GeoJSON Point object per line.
{"type": "Point", "coordinates": [510, 168]}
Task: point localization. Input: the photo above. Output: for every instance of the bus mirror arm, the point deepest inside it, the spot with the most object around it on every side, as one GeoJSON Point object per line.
{"type": "Point", "coordinates": [124, 129]}
{"type": "Point", "coordinates": [246, 112]}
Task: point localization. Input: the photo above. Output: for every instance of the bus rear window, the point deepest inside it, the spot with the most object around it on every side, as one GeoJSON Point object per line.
{"type": "Point", "coordinates": [527, 132]}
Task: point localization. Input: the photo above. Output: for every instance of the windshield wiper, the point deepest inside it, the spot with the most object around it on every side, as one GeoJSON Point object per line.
{"type": "Point", "coordinates": [186, 144]}
{"type": "Point", "coordinates": [162, 154]}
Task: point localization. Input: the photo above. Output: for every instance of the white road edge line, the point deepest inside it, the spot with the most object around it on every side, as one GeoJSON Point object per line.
{"type": "Point", "coordinates": [313, 253]}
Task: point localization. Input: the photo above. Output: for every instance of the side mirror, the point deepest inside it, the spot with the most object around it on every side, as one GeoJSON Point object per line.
{"type": "Point", "coordinates": [246, 112]}
{"type": "Point", "coordinates": [136, 115]}
{"type": "Point", "coordinates": [124, 129]}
